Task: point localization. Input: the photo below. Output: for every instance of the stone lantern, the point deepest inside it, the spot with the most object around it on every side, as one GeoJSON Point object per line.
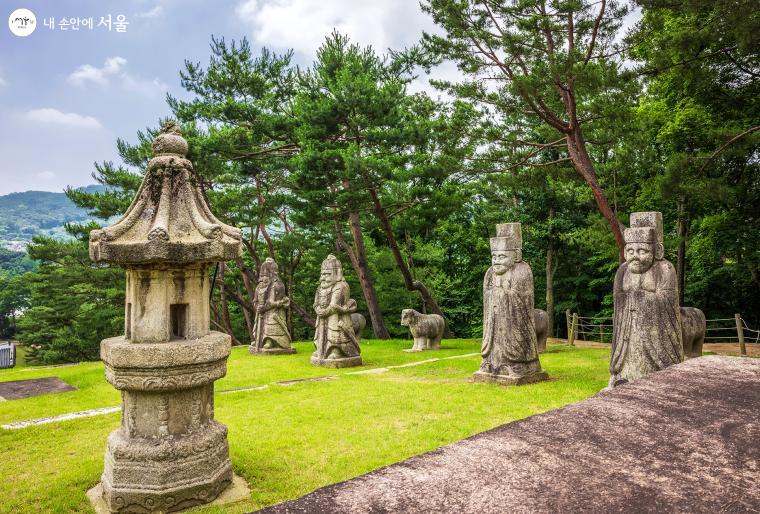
{"type": "Point", "coordinates": [169, 453]}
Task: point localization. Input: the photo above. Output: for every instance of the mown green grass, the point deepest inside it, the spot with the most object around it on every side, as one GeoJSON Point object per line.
{"type": "Point", "coordinates": [288, 441]}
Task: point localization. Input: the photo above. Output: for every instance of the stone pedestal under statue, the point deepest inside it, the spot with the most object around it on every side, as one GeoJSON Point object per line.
{"type": "Point", "coordinates": [169, 453]}
{"type": "Point", "coordinates": [510, 347]}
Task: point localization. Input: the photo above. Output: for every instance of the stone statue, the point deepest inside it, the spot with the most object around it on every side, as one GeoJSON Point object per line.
{"type": "Point", "coordinates": [427, 329]}
{"type": "Point", "coordinates": [359, 322]}
{"type": "Point", "coordinates": [510, 353]}
{"type": "Point", "coordinates": [541, 319]}
{"type": "Point", "coordinates": [647, 320]}
{"type": "Point", "coordinates": [693, 329]}
{"type": "Point", "coordinates": [335, 340]}
{"type": "Point", "coordinates": [270, 330]}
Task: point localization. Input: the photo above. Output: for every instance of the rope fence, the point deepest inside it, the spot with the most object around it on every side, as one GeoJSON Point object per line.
{"type": "Point", "coordinates": [599, 329]}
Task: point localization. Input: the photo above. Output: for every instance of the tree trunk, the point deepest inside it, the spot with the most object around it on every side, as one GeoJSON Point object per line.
{"type": "Point", "coordinates": [576, 148]}
{"type": "Point", "coordinates": [365, 278]}
{"type": "Point", "coordinates": [249, 317]}
{"type": "Point", "coordinates": [303, 314]}
{"type": "Point", "coordinates": [550, 268]}
{"type": "Point", "coordinates": [683, 228]}
{"type": "Point", "coordinates": [225, 305]}
{"type": "Point", "coordinates": [409, 282]}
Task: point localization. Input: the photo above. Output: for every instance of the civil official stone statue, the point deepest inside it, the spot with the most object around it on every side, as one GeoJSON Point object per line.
{"type": "Point", "coordinates": [510, 353]}
{"type": "Point", "coordinates": [270, 330]}
{"type": "Point", "coordinates": [647, 325]}
{"type": "Point", "coordinates": [335, 340]}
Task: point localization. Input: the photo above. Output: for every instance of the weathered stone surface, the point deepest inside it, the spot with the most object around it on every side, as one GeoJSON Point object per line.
{"type": "Point", "coordinates": [270, 330]}
{"type": "Point", "coordinates": [335, 340]}
{"type": "Point", "coordinates": [235, 492]}
{"type": "Point", "coordinates": [541, 320]}
{"type": "Point", "coordinates": [169, 219]}
{"type": "Point", "coordinates": [359, 322]}
{"type": "Point", "coordinates": [169, 453]}
{"type": "Point", "coordinates": [427, 329]}
{"type": "Point", "coordinates": [649, 446]}
{"type": "Point", "coordinates": [510, 347]}
{"type": "Point", "coordinates": [693, 330]}
{"type": "Point", "coordinates": [647, 319]}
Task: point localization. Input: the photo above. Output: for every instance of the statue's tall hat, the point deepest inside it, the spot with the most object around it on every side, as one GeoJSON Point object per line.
{"type": "Point", "coordinates": [268, 267]}
{"type": "Point", "coordinates": [332, 263]}
{"type": "Point", "coordinates": [648, 219]}
{"type": "Point", "coordinates": [640, 235]}
{"type": "Point", "coordinates": [508, 237]}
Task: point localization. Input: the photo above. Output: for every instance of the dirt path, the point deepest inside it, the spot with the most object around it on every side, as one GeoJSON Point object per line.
{"type": "Point", "coordinates": [649, 446]}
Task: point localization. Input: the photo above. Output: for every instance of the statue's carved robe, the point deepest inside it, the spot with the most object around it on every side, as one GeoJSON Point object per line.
{"type": "Point", "coordinates": [647, 326]}
{"type": "Point", "coordinates": [335, 337]}
{"type": "Point", "coordinates": [509, 331]}
{"type": "Point", "coordinates": [270, 329]}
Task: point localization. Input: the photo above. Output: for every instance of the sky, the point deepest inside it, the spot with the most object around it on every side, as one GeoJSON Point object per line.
{"type": "Point", "coordinates": [67, 95]}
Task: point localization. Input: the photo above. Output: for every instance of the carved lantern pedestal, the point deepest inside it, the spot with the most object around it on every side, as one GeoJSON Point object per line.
{"type": "Point", "coordinates": [169, 453]}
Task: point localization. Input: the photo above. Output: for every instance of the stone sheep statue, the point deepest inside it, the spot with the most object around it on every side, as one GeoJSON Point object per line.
{"type": "Point", "coordinates": [427, 329]}
{"type": "Point", "coordinates": [358, 321]}
{"type": "Point", "coordinates": [693, 328]}
{"type": "Point", "coordinates": [541, 319]}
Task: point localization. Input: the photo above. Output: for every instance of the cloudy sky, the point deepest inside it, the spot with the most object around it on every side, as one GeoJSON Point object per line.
{"type": "Point", "coordinates": [66, 96]}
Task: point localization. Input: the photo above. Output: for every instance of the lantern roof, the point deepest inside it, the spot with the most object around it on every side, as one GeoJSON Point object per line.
{"type": "Point", "coordinates": [169, 220]}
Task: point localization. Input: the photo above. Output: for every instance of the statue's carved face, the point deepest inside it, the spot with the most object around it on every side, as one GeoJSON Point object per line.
{"type": "Point", "coordinates": [264, 279]}
{"type": "Point", "coordinates": [503, 260]}
{"type": "Point", "coordinates": [328, 277]}
{"type": "Point", "coordinates": [639, 256]}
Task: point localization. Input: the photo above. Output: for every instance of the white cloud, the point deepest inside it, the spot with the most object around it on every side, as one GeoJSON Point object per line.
{"type": "Point", "coordinates": [156, 12]}
{"type": "Point", "coordinates": [46, 175]}
{"type": "Point", "coordinates": [152, 88]}
{"type": "Point", "coordinates": [3, 82]}
{"type": "Point", "coordinates": [302, 26]}
{"type": "Point", "coordinates": [89, 73]}
{"type": "Point", "coordinates": [113, 70]}
{"type": "Point", "coordinates": [50, 116]}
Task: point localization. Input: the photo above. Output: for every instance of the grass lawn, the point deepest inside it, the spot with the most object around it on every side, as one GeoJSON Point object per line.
{"type": "Point", "coordinates": [288, 441]}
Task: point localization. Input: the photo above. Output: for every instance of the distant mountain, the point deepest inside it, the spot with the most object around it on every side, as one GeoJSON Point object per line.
{"type": "Point", "coordinates": [37, 213]}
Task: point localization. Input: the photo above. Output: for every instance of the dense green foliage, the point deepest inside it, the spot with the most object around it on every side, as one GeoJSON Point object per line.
{"type": "Point", "coordinates": [558, 121]}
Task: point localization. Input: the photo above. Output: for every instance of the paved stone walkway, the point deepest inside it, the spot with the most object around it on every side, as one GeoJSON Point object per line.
{"type": "Point", "coordinates": [108, 410]}
{"type": "Point", "coordinates": [686, 439]}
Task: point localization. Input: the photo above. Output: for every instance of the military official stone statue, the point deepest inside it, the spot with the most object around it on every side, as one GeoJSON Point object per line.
{"type": "Point", "coordinates": [169, 453]}
{"type": "Point", "coordinates": [270, 330]}
{"type": "Point", "coordinates": [335, 340]}
{"type": "Point", "coordinates": [509, 350]}
{"type": "Point", "coordinates": [647, 324]}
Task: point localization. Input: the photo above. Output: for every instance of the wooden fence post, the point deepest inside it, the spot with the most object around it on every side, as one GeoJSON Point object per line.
{"type": "Point", "coordinates": [740, 333]}
{"type": "Point", "coordinates": [569, 321]}
{"type": "Point", "coordinates": [573, 330]}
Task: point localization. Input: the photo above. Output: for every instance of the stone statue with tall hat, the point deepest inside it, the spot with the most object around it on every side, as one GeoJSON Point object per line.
{"type": "Point", "coordinates": [647, 320]}
{"type": "Point", "coordinates": [169, 453]}
{"type": "Point", "coordinates": [270, 329]}
{"type": "Point", "coordinates": [337, 345]}
{"type": "Point", "coordinates": [509, 350]}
